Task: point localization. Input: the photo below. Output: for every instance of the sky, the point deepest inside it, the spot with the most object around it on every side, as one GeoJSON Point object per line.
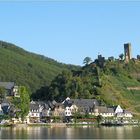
{"type": "Point", "coordinates": [68, 31]}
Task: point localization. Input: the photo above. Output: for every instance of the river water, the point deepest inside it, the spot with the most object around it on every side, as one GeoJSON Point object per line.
{"type": "Point", "coordinates": [121, 132]}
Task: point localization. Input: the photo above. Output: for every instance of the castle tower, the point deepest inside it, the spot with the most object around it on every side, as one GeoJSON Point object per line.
{"type": "Point", "coordinates": [127, 52]}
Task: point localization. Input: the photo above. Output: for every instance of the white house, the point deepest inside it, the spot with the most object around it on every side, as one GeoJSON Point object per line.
{"type": "Point", "coordinates": [70, 108]}
{"type": "Point", "coordinates": [118, 109]}
{"type": "Point", "coordinates": [35, 111]}
{"type": "Point", "coordinates": [38, 110]}
{"type": "Point", "coordinates": [122, 113]}
{"type": "Point", "coordinates": [1, 111]}
{"type": "Point", "coordinates": [68, 111]}
{"type": "Point", "coordinates": [103, 111]}
{"type": "Point", "coordinates": [16, 91]}
{"type": "Point", "coordinates": [111, 111]}
{"type": "Point", "coordinates": [127, 114]}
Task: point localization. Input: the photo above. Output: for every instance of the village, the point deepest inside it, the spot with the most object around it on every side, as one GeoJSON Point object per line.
{"type": "Point", "coordinates": [68, 111]}
{"type": "Point", "coordinates": [82, 111]}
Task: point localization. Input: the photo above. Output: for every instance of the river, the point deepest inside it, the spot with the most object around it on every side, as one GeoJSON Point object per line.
{"type": "Point", "coordinates": [121, 132]}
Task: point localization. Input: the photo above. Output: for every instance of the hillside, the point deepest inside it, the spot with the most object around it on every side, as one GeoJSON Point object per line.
{"type": "Point", "coordinates": [121, 84]}
{"type": "Point", "coordinates": [27, 68]}
{"type": "Point", "coordinates": [113, 83]}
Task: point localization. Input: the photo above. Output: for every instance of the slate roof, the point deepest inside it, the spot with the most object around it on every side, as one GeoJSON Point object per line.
{"type": "Point", "coordinates": [85, 105]}
{"type": "Point", "coordinates": [54, 104]}
{"type": "Point", "coordinates": [5, 109]}
{"type": "Point", "coordinates": [110, 110]}
{"type": "Point", "coordinates": [35, 105]}
{"type": "Point", "coordinates": [114, 107]}
{"type": "Point", "coordinates": [7, 85]}
{"type": "Point", "coordinates": [44, 104]}
{"type": "Point", "coordinates": [67, 103]}
{"type": "Point", "coordinates": [85, 102]}
{"type": "Point", "coordinates": [104, 109]}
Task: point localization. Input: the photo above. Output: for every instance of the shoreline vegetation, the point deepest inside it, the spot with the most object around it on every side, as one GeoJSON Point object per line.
{"type": "Point", "coordinates": [67, 124]}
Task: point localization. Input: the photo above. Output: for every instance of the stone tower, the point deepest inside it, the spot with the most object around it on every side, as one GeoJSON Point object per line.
{"type": "Point", "coordinates": [127, 52]}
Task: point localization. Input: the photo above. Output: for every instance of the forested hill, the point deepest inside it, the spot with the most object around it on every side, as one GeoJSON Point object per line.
{"type": "Point", "coordinates": [112, 82]}
{"type": "Point", "coordinates": [27, 68]}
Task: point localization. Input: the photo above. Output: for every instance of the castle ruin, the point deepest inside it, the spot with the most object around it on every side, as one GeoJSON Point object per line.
{"type": "Point", "coordinates": [127, 52]}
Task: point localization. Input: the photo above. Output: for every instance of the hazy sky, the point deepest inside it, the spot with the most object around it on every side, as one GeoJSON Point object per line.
{"type": "Point", "coordinates": [70, 31]}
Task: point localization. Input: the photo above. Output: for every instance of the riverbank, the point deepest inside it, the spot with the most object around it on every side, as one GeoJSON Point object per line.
{"type": "Point", "coordinates": [48, 124]}
{"type": "Point", "coordinates": [81, 124]}
{"type": "Point", "coordinates": [63, 124]}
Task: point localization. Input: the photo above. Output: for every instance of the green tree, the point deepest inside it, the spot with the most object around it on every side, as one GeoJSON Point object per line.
{"type": "Point", "coordinates": [60, 86]}
{"type": "Point", "coordinates": [21, 104]}
{"type": "Point", "coordinates": [87, 60]}
{"type": "Point", "coordinates": [87, 94]}
{"type": "Point", "coordinates": [99, 119]}
{"type": "Point", "coordinates": [2, 93]}
{"type": "Point", "coordinates": [25, 101]}
{"type": "Point", "coordinates": [76, 115]}
{"type": "Point", "coordinates": [121, 56]}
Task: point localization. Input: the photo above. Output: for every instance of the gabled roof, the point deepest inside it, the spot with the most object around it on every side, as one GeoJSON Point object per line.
{"type": "Point", "coordinates": [7, 85]}
{"type": "Point", "coordinates": [5, 109]}
{"type": "Point", "coordinates": [53, 104]}
{"type": "Point", "coordinates": [35, 105]}
{"type": "Point", "coordinates": [104, 109]}
{"type": "Point", "coordinates": [43, 104]}
{"type": "Point", "coordinates": [115, 107]}
{"type": "Point", "coordinates": [85, 102]}
{"type": "Point", "coordinates": [67, 103]}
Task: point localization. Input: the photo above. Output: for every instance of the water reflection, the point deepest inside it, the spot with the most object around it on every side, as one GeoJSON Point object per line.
{"type": "Point", "coordinates": [127, 132]}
